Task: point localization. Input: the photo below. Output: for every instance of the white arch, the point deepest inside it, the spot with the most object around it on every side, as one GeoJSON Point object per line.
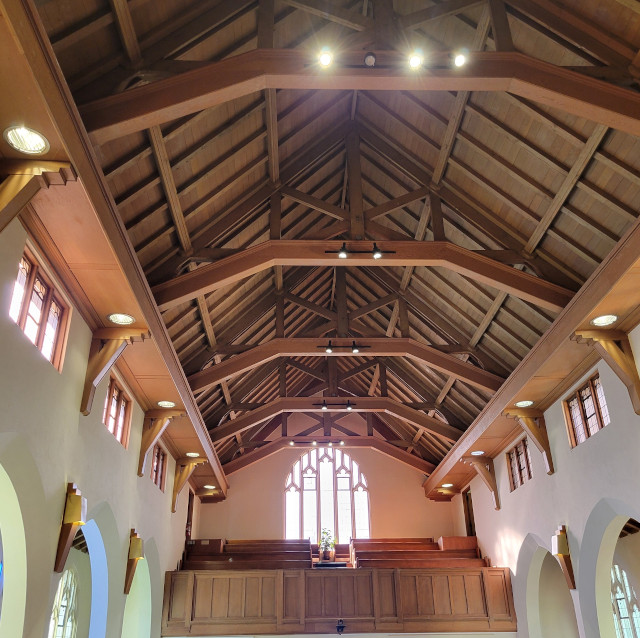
{"type": "Point", "coordinates": [99, 580]}
{"type": "Point", "coordinates": [156, 576]}
{"type": "Point", "coordinates": [596, 557]}
{"type": "Point", "coordinates": [15, 560]}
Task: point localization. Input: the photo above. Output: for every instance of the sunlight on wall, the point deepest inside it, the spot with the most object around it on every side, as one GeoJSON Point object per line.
{"type": "Point", "coordinates": [15, 560]}
{"type": "Point", "coordinates": [507, 548]}
{"type": "Point", "coordinates": [137, 609]}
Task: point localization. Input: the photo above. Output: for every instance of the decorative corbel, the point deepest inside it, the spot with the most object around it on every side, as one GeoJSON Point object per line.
{"type": "Point", "coordinates": [25, 179]}
{"type": "Point", "coordinates": [533, 424]}
{"type": "Point", "coordinates": [614, 348]}
{"type": "Point", "coordinates": [107, 345]}
{"type": "Point", "coordinates": [155, 423]}
{"type": "Point", "coordinates": [136, 553]}
{"type": "Point", "coordinates": [560, 549]}
{"type": "Point", "coordinates": [184, 470]}
{"type": "Point", "coordinates": [483, 465]}
{"type": "Point", "coordinates": [75, 513]}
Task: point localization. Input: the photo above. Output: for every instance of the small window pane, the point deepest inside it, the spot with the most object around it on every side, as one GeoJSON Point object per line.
{"type": "Point", "coordinates": [576, 420]}
{"type": "Point", "coordinates": [19, 289]}
{"type": "Point", "coordinates": [602, 402]}
{"type": "Point", "coordinates": [51, 330]}
{"type": "Point", "coordinates": [34, 314]}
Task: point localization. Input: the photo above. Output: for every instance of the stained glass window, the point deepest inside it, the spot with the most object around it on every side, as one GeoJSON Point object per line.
{"type": "Point", "coordinates": [63, 615]}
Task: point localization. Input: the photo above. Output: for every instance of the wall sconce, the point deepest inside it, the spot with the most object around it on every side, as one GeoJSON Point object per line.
{"type": "Point", "coordinates": [560, 549]}
{"type": "Point", "coordinates": [136, 553]}
{"type": "Point", "coordinates": [74, 516]}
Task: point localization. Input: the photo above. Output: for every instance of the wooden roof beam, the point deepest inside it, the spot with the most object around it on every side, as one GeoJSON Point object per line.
{"type": "Point", "coordinates": [313, 404]}
{"type": "Point", "coordinates": [314, 253]}
{"type": "Point", "coordinates": [219, 82]}
{"type": "Point", "coordinates": [301, 347]}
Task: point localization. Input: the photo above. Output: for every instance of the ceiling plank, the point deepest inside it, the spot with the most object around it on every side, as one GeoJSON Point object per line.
{"type": "Point", "coordinates": [257, 258]}
{"type": "Point", "coordinates": [380, 346]}
{"type": "Point", "coordinates": [347, 18]}
{"type": "Point", "coordinates": [219, 82]}
{"type": "Point", "coordinates": [419, 18]}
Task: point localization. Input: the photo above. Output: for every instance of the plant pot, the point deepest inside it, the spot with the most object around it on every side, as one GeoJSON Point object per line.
{"type": "Point", "coordinates": [328, 556]}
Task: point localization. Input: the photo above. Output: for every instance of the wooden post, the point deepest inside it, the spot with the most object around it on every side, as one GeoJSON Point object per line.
{"type": "Point", "coordinates": [341, 302]}
{"type": "Point", "coordinates": [356, 228]}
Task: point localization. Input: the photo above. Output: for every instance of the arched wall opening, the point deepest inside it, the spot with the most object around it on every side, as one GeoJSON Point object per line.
{"type": "Point", "coordinates": [14, 552]}
{"type": "Point", "coordinates": [544, 604]}
{"type": "Point", "coordinates": [598, 548]}
{"type": "Point", "coordinates": [99, 580]}
{"type": "Point", "coordinates": [137, 609]}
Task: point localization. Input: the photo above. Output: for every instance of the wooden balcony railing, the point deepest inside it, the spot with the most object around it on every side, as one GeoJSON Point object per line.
{"type": "Point", "coordinates": [210, 603]}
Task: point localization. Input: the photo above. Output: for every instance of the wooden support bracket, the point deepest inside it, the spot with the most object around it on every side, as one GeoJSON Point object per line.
{"type": "Point", "coordinates": [106, 346]}
{"type": "Point", "coordinates": [534, 426]}
{"type": "Point", "coordinates": [75, 513]}
{"type": "Point", "coordinates": [184, 470]}
{"type": "Point", "coordinates": [483, 465]}
{"type": "Point", "coordinates": [560, 549]}
{"type": "Point", "coordinates": [136, 553]}
{"type": "Point", "coordinates": [152, 429]}
{"type": "Point", "coordinates": [614, 348]}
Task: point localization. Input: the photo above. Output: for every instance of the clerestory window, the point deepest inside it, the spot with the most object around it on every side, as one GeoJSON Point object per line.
{"type": "Point", "coordinates": [63, 615]}
{"type": "Point", "coordinates": [586, 411]}
{"type": "Point", "coordinates": [326, 489]}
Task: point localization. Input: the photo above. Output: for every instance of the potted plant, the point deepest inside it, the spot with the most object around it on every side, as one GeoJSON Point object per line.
{"type": "Point", "coordinates": [326, 546]}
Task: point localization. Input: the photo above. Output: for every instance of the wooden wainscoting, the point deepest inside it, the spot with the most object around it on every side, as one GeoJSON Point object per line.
{"type": "Point", "coordinates": [211, 603]}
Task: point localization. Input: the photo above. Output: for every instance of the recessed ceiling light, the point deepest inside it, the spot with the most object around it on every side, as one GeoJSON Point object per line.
{"type": "Point", "coordinates": [166, 404]}
{"type": "Point", "coordinates": [447, 485]}
{"type": "Point", "coordinates": [477, 453]}
{"type": "Point", "coordinates": [604, 320]}
{"type": "Point", "coordinates": [26, 140]}
{"type": "Point", "coordinates": [121, 318]}
{"type": "Point", "coordinates": [523, 404]}
{"type": "Point", "coordinates": [325, 58]}
{"type": "Point", "coordinates": [193, 455]}
{"type": "Point", "coordinates": [459, 59]}
{"type": "Point", "coordinates": [415, 60]}
{"type": "Point", "coordinates": [209, 487]}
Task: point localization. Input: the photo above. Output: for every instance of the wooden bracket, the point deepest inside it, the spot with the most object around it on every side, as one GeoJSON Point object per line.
{"type": "Point", "coordinates": [25, 179]}
{"type": "Point", "coordinates": [534, 426]}
{"type": "Point", "coordinates": [136, 553]}
{"type": "Point", "coordinates": [184, 470]}
{"type": "Point", "coordinates": [483, 465]}
{"type": "Point", "coordinates": [106, 346]}
{"type": "Point", "coordinates": [152, 429]}
{"type": "Point", "coordinates": [75, 512]}
{"type": "Point", "coordinates": [560, 549]}
{"type": "Point", "coordinates": [614, 348]}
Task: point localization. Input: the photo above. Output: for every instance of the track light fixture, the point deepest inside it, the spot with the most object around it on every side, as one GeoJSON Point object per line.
{"type": "Point", "coordinates": [329, 348]}
{"type": "Point", "coordinates": [377, 253]}
{"type": "Point", "coordinates": [349, 406]}
{"type": "Point", "coordinates": [343, 253]}
{"type": "Point", "coordinates": [324, 406]}
{"type": "Point", "coordinates": [354, 348]}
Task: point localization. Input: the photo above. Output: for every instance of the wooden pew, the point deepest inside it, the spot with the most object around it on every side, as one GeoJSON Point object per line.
{"type": "Point", "coordinates": [210, 565]}
{"type": "Point", "coordinates": [419, 563]}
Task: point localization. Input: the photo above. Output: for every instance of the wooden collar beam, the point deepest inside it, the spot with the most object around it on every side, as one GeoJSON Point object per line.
{"type": "Point", "coordinates": [376, 347]}
{"type": "Point", "coordinates": [313, 404]}
{"type": "Point", "coordinates": [213, 84]}
{"type": "Point", "coordinates": [399, 253]}
{"type": "Point", "coordinates": [305, 442]}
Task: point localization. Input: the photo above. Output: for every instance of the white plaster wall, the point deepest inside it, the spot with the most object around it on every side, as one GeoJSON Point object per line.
{"type": "Point", "coordinates": [605, 466]}
{"type": "Point", "coordinates": [45, 442]}
{"type": "Point", "coordinates": [254, 507]}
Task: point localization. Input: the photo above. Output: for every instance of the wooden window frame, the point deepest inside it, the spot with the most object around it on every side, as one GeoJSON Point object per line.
{"type": "Point", "coordinates": [53, 294]}
{"type": "Point", "coordinates": [163, 474]}
{"type": "Point", "coordinates": [571, 428]}
{"type": "Point", "coordinates": [126, 426]}
{"type": "Point", "coordinates": [526, 454]}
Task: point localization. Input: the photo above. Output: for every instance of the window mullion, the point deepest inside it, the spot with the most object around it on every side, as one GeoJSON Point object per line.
{"type": "Point", "coordinates": [596, 403]}
{"type": "Point", "coordinates": [585, 423]}
{"type": "Point", "coordinates": [28, 291]}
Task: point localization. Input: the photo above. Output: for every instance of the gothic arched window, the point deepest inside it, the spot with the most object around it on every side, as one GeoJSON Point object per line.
{"type": "Point", "coordinates": [63, 615]}
{"type": "Point", "coordinates": [626, 614]}
{"type": "Point", "coordinates": [326, 489]}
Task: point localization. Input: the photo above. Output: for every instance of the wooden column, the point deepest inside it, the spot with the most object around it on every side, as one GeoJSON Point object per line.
{"type": "Point", "coordinates": [106, 346]}
{"type": "Point", "coordinates": [341, 302]}
{"type": "Point", "coordinates": [483, 465]}
{"type": "Point", "coordinates": [534, 426]}
{"type": "Point", "coordinates": [184, 469]}
{"type": "Point", "coordinates": [356, 218]}
{"type": "Point", "coordinates": [614, 348]}
{"type": "Point", "coordinates": [500, 26]}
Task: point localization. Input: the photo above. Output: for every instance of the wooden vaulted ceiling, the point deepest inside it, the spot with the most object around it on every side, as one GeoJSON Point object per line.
{"type": "Point", "coordinates": [234, 177]}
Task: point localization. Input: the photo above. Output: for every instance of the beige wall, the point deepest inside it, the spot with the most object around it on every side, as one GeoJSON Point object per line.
{"type": "Point", "coordinates": [255, 504]}
{"type": "Point", "coordinates": [45, 443]}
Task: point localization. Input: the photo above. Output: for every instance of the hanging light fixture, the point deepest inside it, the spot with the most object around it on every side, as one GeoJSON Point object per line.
{"type": "Point", "coordinates": [349, 406]}
{"type": "Point", "coordinates": [354, 348]}
{"type": "Point", "coordinates": [325, 407]}
{"type": "Point", "coordinates": [329, 348]}
{"type": "Point", "coordinates": [377, 253]}
{"type": "Point", "coordinates": [343, 253]}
